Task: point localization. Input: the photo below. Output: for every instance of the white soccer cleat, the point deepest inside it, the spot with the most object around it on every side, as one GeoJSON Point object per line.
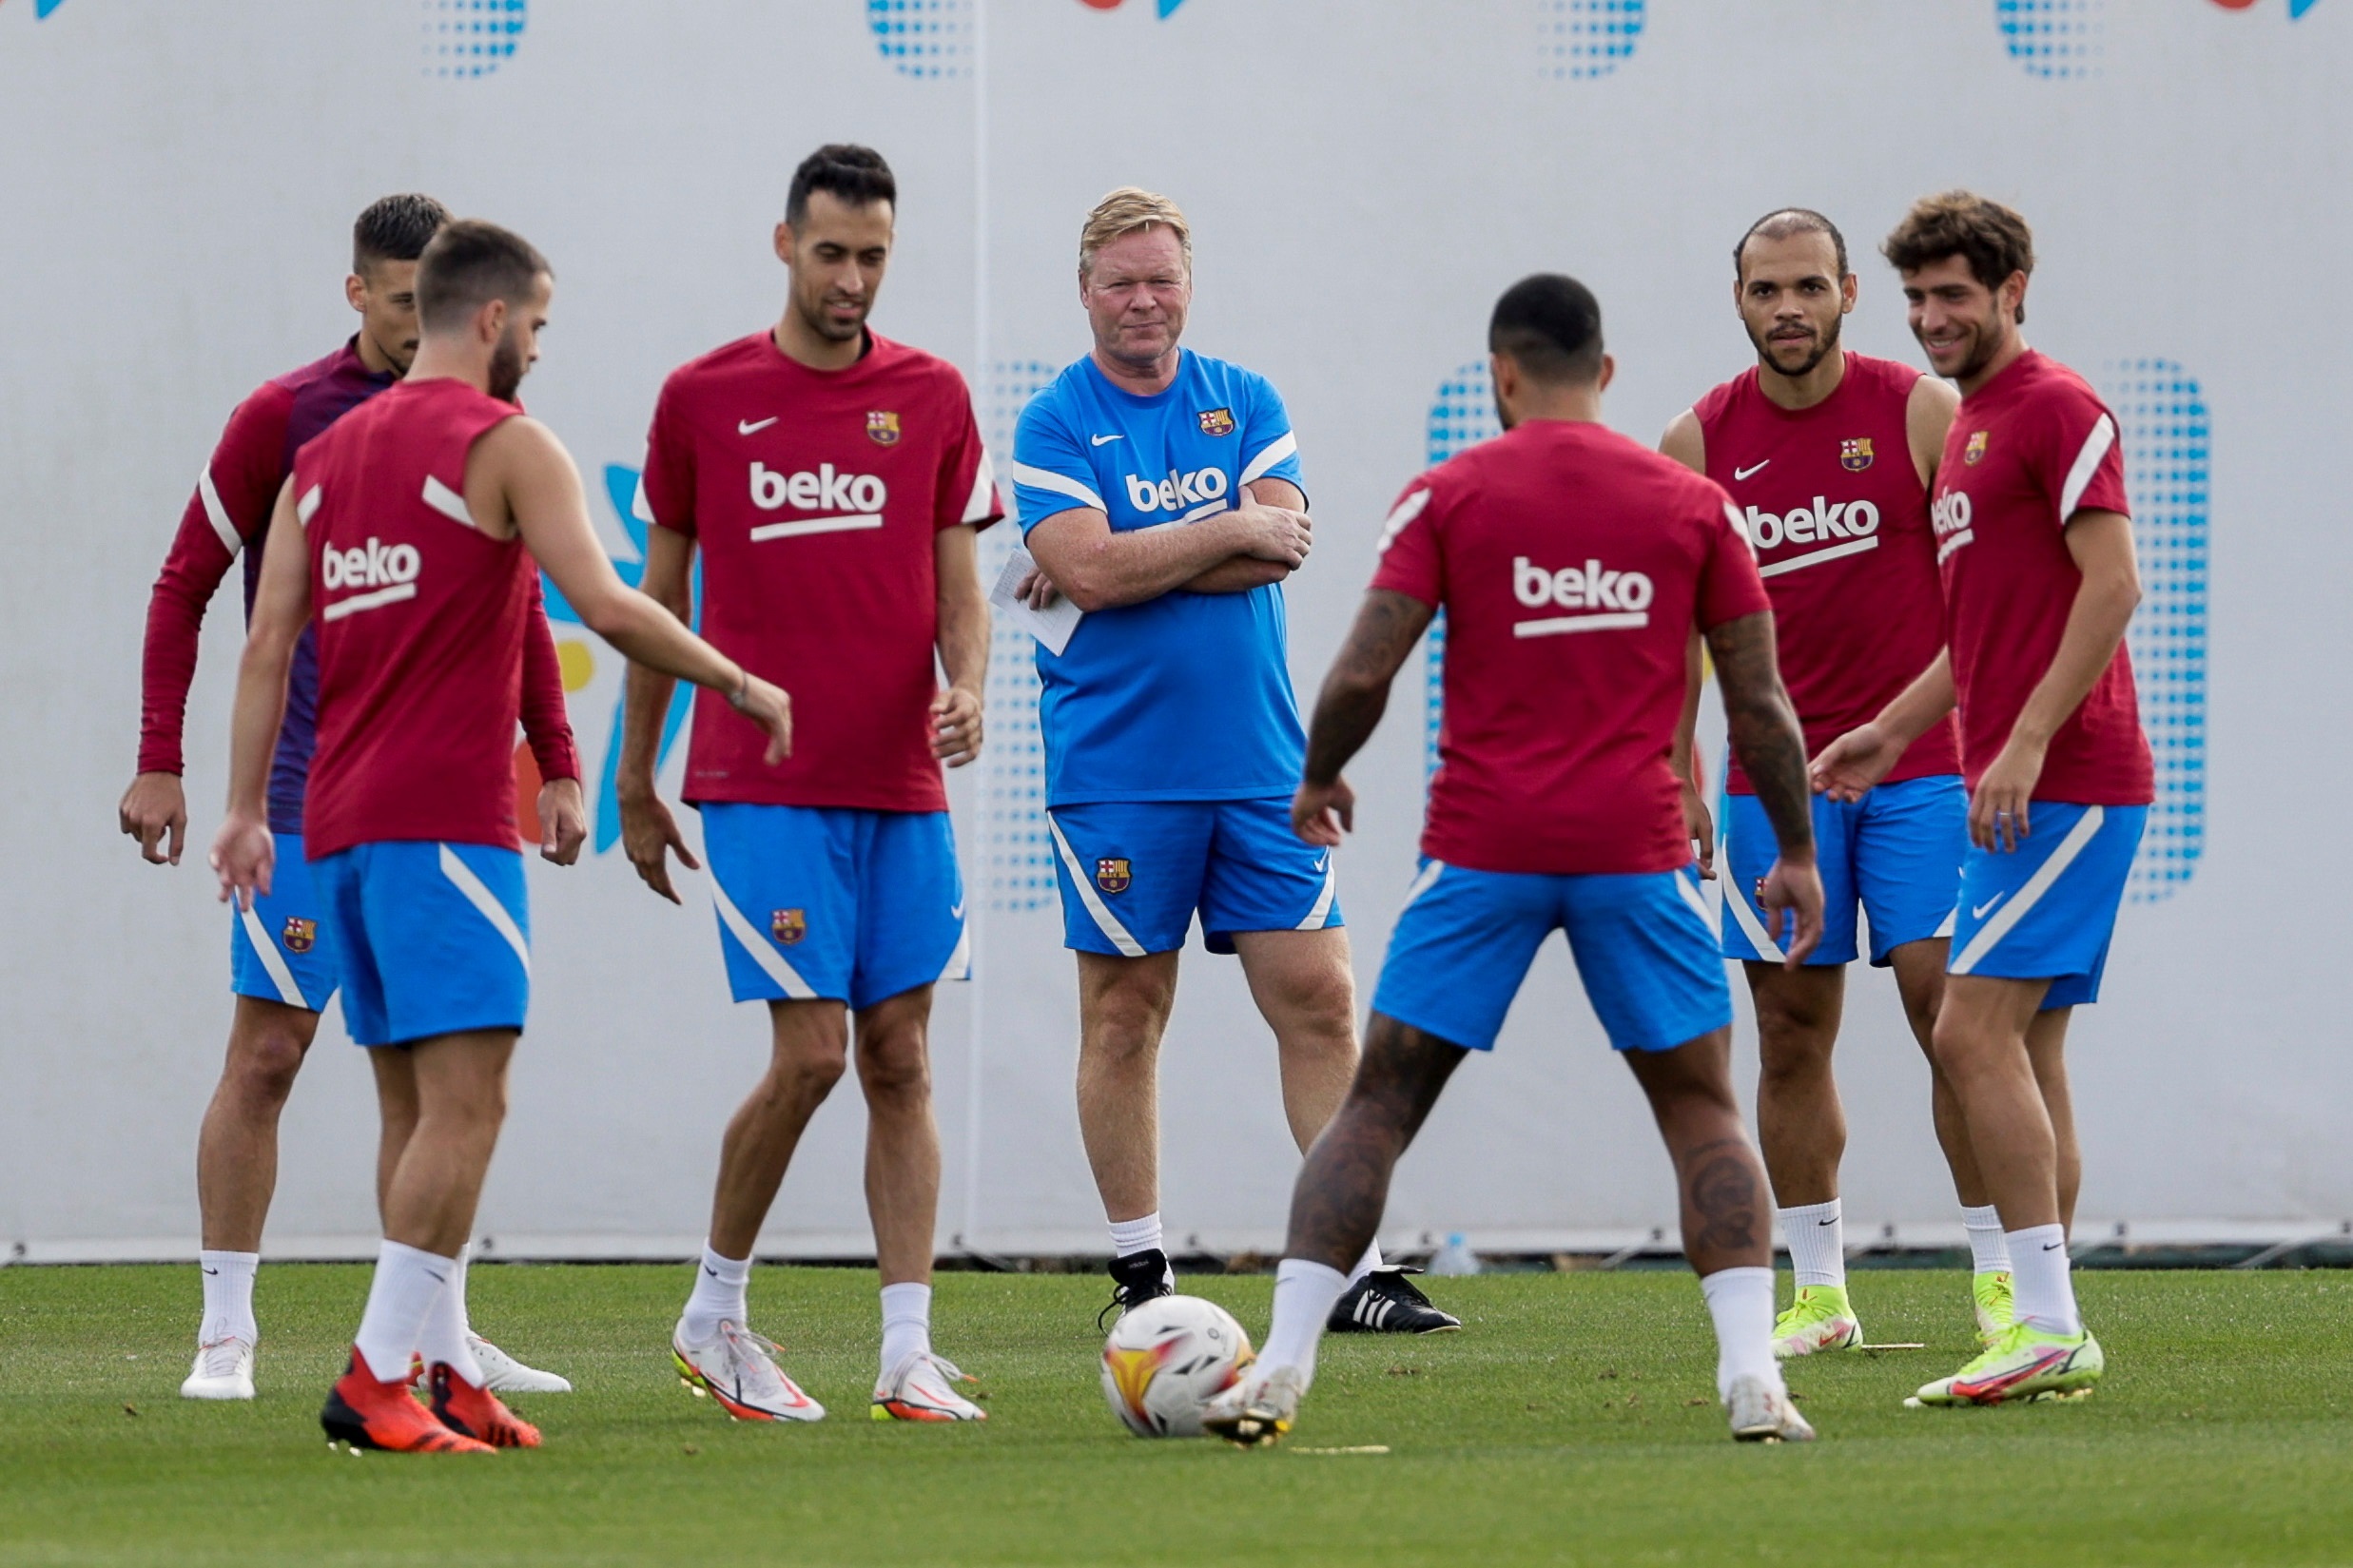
{"type": "Point", "coordinates": [1762, 1412]}
{"type": "Point", "coordinates": [503, 1374]}
{"type": "Point", "coordinates": [223, 1370]}
{"type": "Point", "coordinates": [1258, 1409]}
{"type": "Point", "coordinates": [923, 1388]}
{"type": "Point", "coordinates": [739, 1370]}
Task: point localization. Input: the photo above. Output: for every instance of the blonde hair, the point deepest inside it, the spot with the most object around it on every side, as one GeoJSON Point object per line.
{"type": "Point", "coordinates": [1124, 211]}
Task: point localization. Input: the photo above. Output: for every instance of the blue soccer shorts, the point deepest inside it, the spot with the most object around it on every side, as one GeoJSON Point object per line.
{"type": "Point", "coordinates": [283, 949]}
{"type": "Point", "coordinates": [1642, 942]}
{"type": "Point", "coordinates": [1896, 853]}
{"type": "Point", "coordinates": [853, 905]}
{"type": "Point", "coordinates": [430, 939]}
{"type": "Point", "coordinates": [2047, 909]}
{"type": "Point", "coordinates": [1132, 872]}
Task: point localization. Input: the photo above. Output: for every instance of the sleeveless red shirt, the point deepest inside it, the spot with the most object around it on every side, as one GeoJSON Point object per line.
{"type": "Point", "coordinates": [1840, 519]}
{"type": "Point", "coordinates": [421, 618]}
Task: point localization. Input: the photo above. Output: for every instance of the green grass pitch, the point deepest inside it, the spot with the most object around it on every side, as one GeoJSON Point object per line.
{"type": "Point", "coordinates": [1572, 1422]}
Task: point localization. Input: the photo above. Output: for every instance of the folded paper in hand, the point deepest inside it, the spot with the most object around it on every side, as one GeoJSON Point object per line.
{"type": "Point", "coordinates": [1051, 625]}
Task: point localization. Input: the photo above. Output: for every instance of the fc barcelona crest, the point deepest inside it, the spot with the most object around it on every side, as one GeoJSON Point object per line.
{"type": "Point", "coordinates": [1112, 875]}
{"type": "Point", "coordinates": [1216, 421]}
{"type": "Point", "coordinates": [788, 925]}
{"type": "Point", "coordinates": [1975, 449]}
{"type": "Point", "coordinates": [300, 936]}
{"type": "Point", "coordinates": [1854, 456]}
{"type": "Point", "coordinates": [883, 428]}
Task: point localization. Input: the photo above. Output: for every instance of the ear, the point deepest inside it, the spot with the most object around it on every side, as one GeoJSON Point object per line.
{"type": "Point", "coordinates": [1609, 371]}
{"type": "Point", "coordinates": [1850, 288]}
{"type": "Point", "coordinates": [2013, 295]}
{"type": "Point", "coordinates": [1503, 373]}
{"type": "Point", "coordinates": [490, 323]}
{"type": "Point", "coordinates": [784, 242]}
{"type": "Point", "coordinates": [355, 292]}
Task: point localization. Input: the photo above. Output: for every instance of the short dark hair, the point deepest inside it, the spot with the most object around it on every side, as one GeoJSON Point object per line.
{"type": "Point", "coordinates": [1550, 326]}
{"type": "Point", "coordinates": [856, 175]}
{"type": "Point", "coordinates": [1991, 237]}
{"type": "Point", "coordinates": [396, 228]}
{"type": "Point", "coordinates": [1780, 223]}
{"type": "Point", "coordinates": [470, 263]}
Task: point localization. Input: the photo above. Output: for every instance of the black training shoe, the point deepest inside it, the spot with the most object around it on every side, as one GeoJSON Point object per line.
{"type": "Point", "coordinates": [1384, 1302]}
{"type": "Point", "coordinates": [1138, 1278]}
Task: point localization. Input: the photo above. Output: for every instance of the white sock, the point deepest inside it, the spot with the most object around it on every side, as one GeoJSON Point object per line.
{"type": "Point", "coordinates": [1305, 1294]}
{"type": "Point", "coordinates": [1740, 1301]}
{"type": "Point", "coordinates": [228, 1296]}
{"type": "Point", "coordinates": [399, 1297]}
{"type": "Point", "coordinates": [2043, 1294]}
{"type": "Point", "coordinates": [1986, 1248]}
{"type": "Point", "coordinates": [1366, 1264]}
{"type": "Point", "coordinates": [906, 1323]}
{"type": "Point", "coordinates": [720, 1285]}
{"type": "Point", "coordinates": [1128, 1237]}
{"type": "Point", "coordinates": [444, 1336]}
{"type": "Point", "coordinates": [1817, 1238]}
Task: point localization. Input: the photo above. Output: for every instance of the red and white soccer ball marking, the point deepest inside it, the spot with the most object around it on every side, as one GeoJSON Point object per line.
{"type": "Point", "coordinates": [1167, 1359]}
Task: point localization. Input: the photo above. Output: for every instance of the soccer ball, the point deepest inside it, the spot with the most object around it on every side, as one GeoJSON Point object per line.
{"type": "Point", "coordinates": [1167, 1359]}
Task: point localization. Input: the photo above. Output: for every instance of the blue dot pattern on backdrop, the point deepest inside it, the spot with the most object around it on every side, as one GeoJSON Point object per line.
{"type": "Point", "coordinates": [2166, 434]}
{"type": "Point", "coordinates": [1462, 415]}
{"type": "Point", "coordinates": [2057, 38]}
{"type": "Point", "coordinates": [1016, 853]}
{"type": "Point", "coordinates": [470, 37]}
{"type": "Point", "coordinates": [923, 38]}
{"type": "Point", "coordinates": [1586, 38]}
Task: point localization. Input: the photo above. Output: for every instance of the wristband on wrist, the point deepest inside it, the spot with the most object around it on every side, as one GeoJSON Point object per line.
{"type": "Point", "coordinates": [737, 698]}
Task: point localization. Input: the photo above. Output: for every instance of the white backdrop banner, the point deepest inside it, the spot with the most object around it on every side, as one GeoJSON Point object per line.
{"type": "Point", "coordinates": [1364, 179]}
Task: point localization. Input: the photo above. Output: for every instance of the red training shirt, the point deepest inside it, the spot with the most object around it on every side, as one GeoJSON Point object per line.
{"type": "Point", "coordinates": [2029, 450]}
{"type": "Point", "coordinates": [817, 497]}
{"type": "Point", "coordinates": [1573, 564]}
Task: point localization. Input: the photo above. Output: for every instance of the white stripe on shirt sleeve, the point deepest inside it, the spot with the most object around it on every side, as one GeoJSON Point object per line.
{"type": "Point", "coordinates": [1285, 445]}
{"type": "Point", "coordinates": [1407, 510]}
{"type": "Point", "coordinates": [218, 514]}
{"type": "Point", "coordinates": [2086, 467]}
{"type": "Point", "coordinates": [983, 498]}
{"type": "Point", "coordinates": [1038, 478]}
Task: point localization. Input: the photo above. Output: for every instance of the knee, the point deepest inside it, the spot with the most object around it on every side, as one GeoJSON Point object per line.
{"type": "Point", "coordinates": [1325, 1006]}
{"type": "Point", "coordinates": [262, 1066]}
{"type": "Point", "coordinates": [809, 1070]}
{"type": "Point", "coordinates": [1123, 1024]}
{"type": "Point", "coordinates": [895, 1069]}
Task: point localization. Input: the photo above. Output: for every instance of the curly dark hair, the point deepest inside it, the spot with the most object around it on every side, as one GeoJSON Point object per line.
{"type": "Point", "coordinates": [1991, 237]}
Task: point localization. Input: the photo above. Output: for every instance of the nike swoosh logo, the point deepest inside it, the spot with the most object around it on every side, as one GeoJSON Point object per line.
{"type": "Point", "coordinates": [1320, 860]}
{"type": "Point", "coordinates": [2053, 1245]}
{"type": "Point", "coordinates": [212, 1270]}
{"type": "Point", "coordinates": [1977, 912]}
{"type": "Point", "coordinates": [744, 426]}
{"type": "Point", "coordinates": [1744, 473]}
{"type": "Point", "coordinates": [1825, 1222]}
{"type": "Point", "coordinates": [1105, 440]}
{"type": "Point", "coordinates": [957, 913]}
{"type": "Point", "coordinates": [708, 1269]}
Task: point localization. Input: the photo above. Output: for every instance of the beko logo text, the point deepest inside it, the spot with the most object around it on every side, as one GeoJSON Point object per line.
{"type": "Point", "coordinates": [821, 491]}
{"type": "Point", "coordinates": [1949, 515]}
{"type": "Point", "coordinates": [1824, 519]}
{"type": "Point", "coordinates": [1177, 490]}
{"type": "Point", "coordinates": [372, 566]}
{"type": "Point", "coordinates": [1572, 588]}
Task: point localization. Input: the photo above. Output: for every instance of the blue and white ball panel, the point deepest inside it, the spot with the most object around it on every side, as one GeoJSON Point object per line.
{"type": "Point", "coordinates": [1896, 853]}
{"type": "Point", "coordinates": [430, 939]}
{"type": "Point", "coordinates": [831, 902]}
{"type": "Point", "coordinates": [283, 949]}
{"type": "Point", "coordinates": [1642, 942]}
{"type": "Point", "coordinates": [1132, 872]}
{"type": "Point", "coordinates": [2047, 909]}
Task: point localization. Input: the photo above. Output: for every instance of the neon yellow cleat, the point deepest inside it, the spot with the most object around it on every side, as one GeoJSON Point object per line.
{"type": "Point", "coordinates": [1991, 1295]}
{"type": "Point", "coordinates": [1820, 1319]}
{"type": "Point", "coordinates": [2023, 1365]}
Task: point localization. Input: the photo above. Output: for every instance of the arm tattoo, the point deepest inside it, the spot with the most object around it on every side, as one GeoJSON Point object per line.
{"type": "Point", "coordinates": [1356, 692]}
{"type": "Point", "coordinates": [1764, 726]}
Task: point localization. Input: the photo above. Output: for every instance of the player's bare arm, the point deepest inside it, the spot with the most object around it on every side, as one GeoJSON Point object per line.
{"type": "Point", "coordinates": [1240, 574]}
{"type": "Point", "coordinates": [1771, 747]}
{"type": "Point", "coordinates": [2101, 542]}
{"type": "Point", "coordinates": [1349, 708]}
{"type": "Point", "coordinates": [1686, 442]}
{"type": "Point", "coordinates": [649, 831]}
{"type": "Point", "coordinates": [1857, 761]}
{"type": "Point", "coordinates": [1928, 418]}
{"type": "Point", "coordinates": [963, 641]}
{"type": "Point", "coordinates": [1080, 557]}
{"type": "Point", "coordinates": [244, 854]}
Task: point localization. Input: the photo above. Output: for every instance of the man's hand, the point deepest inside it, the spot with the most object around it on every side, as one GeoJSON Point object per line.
{"type": "Point", "coordinates": [152, 806]}
{"type": "Point", "coordinates": [1851, 765]}
{"type": "Point", "coordinates": [648, 832]}
{"type": "Point", "coordinates": [1795, 888]}
{"type": "Point", "coordinates": [956, 726]}
{"type": "Point", "coordinates": [1700, 825]}
{"type": "Point", "coordinates": [244, 856]}
{"type": "Point", "coordinates": [1997, 811]}
{"type": "Point", "coordinates": [1320, 813]}
{"type": "Point", "coordinates": [768, 707]}
{"type": "Point", "coordinates": [1275, 533]}
{"type": "Point", "coordinates": [1037, 588]}
{"type": "Point", "coordinates": [563, 821]}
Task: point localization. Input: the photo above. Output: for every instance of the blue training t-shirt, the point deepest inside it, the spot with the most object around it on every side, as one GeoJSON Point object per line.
{"type": "Point", "coordinates": [1186, 697]}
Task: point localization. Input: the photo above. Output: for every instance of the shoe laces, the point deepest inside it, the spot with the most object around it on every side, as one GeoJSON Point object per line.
{"type": "Point", "coordinates": [947, 1369]}
{"type": "Point", "coordinates": [1393, 1284]}
{"type": "Point", "coordinates": [218, 1357]}
{"type": "Point", "coordinates": [750, 1351]}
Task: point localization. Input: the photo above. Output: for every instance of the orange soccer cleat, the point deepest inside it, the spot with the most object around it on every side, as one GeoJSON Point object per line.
{"type": "Point", "coordinates": [368, 1414]}
{"type": "Point", "coordinates": [477, 1413]}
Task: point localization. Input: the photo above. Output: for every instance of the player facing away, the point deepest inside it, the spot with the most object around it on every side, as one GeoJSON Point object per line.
{"type": "Point", "coordinates": [281, 951]}
{"type": "Point", "coordinates": [1572, 565]}
{"type": "Point", "coordinates": [1830, 455]}
{"type": "Point", "coordinates": [1160, 492]}
{"type": "Point", "coordinates": [834, 481]}
{"type": "Point", "coordinates": [2034, 547]}
{"type": "Point", "coordinates": [409, 530]}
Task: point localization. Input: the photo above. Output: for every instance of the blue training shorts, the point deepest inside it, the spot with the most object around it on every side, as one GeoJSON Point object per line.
{"type": "Point", "coordinates": [430, 939]}
{"type": "Point", "coordinates": [1641, 942]}
{"type": "Point", "coordinates": [283, 949]}
{"type": "Point", "coordinates": [1896, 852]}
{"type": "Point", "coordinates": [2047, 909]}
{"type": "Point", "coordinates": [833, 902]}
{"type": "Point", "coordinates": [1134, 872]}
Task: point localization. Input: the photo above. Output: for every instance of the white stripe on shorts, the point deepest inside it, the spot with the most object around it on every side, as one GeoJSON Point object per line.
{"type": "Point", "coordinates": [1692, 895]}
{"type": "Point", "coordinates": [1322, 912]}
{"type": "Point", "coordinates": [1105, 921]}
{"type": "Point", "coordinates": [273, 961]}
{"type": "Point", "coordinates": [1990, 935]}
{"type": "Point", "coordinates": [1736, 900]}
{"type": "Point", "coordinates": [462, 876]}
{"type": "Point", "coordinates": [763, 952]}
